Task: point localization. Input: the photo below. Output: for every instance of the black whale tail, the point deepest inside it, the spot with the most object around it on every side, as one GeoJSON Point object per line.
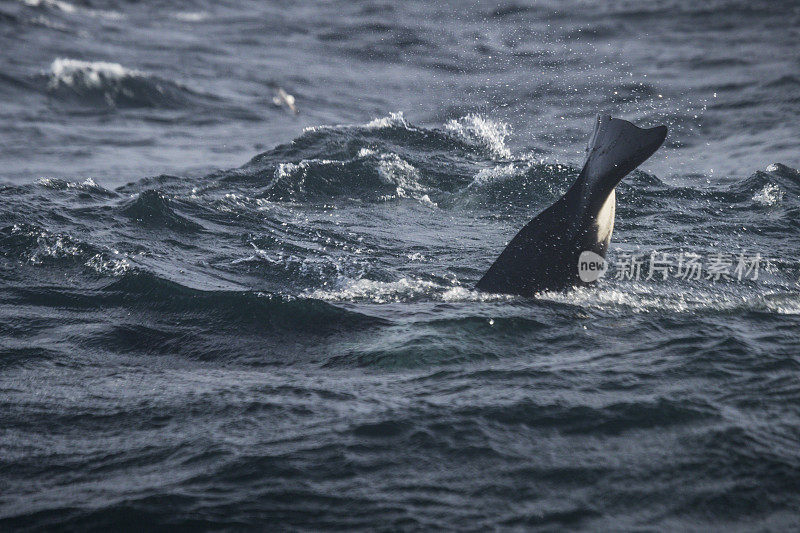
{"type": "Point", "coordinates": [616, 148]}
{"type": "Point", "coordinates": [544, 254]}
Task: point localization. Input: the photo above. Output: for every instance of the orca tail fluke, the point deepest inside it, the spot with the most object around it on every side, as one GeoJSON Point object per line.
{"type": "Point", "coordinates": [616, 148]}
{"type": "Point", "coordinates": [544, 254]}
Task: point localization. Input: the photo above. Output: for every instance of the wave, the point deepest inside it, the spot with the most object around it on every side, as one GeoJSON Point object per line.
{"type": "Point", "coordinates": [388, 158]}
{"type": "Point", "coordinates": [371, 175]}
{"type": "Point", "coordinates": [286, 264]}
{"type": "Point", "coordinates": [770, 195]}
{"type": "Point", "coordinates": [403, 290]}
{"type": "Point", "coordinates": [68, 8]}
{"type": "Point", "coordinates": [9, 18]}
{"type": "Point", "coordinates": [234, 309]}
{"type": "Point", "coordinates": [520, 184]}
{"type": "Point", "coordinates": [190, 16]}
{"type": "Point", "coordinates": [219, 312]}
{"type": "Point", "coordinates": [101, 83]}
{"type": "Point", "coordinates": [88, 186]}
{"type": "Point", "coordinates": [481, 132]}
{"type": "Point", "coordinates": [611, 419]}
{"type": "Point", "coordinates": [609, 296]}
{"type": "Point", "coordinates": [37, 246]}
{"type": "Point", "coordinates": [465, 141]}
{"type": "Point", "coordinates": [60, 5]}
{"type": "Point", "coordinates": [153, 208]}
{"type": "Point", "coordinates": [649, 298]}
{"type": "Point", "coordinates": [768, 187]}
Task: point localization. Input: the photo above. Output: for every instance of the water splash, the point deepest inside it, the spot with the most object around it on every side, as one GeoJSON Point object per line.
{"type": "Point", "coordinates": [770, 195]}
{"type": "Point", "coordinates": [479, 131]}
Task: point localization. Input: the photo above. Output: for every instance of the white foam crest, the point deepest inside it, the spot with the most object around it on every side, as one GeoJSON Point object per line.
{"type": "Point", "coordinates": [74, 72]}
{"type": "Point", "coordinates": [784, 308]}
{"type": "Point", "coordinates": [771, 194]}
{"type": "Point", "coordinates": [286, 170]}
{"type": "Point", "coordinates": [55, 247]}
{"type": "Point", "coordinates": [463, 294]}
{"type": "Point", "coordinates": [403, 290]}
{"type": "Point", "coordinates": [647, 298]}
{"type": "Point", "coordinates": [298, 170]}
{"type": "Point", "coordinates": [190, 16]}
{"type": "Point", "coordinates": [321, 267]}
{"type": "Point", "coordinates": [48, 245]}
{"type": "Point", "coordinates": [115, 266]}
{"type": "Point", "coordinates": [426, 200]}
{"type": "Point", "coordinates": [392, 170]}
{"type": "Point", "coordinates": [66, 7]}
{"type": "Point", "coordinates": [367, 152]}
{"type": "Point", "coordinates": [642, 300]}
{"type": "Point", "coordinates": [48, 182]}
{"type": "Point", "coordinates": [395, 171]}
{"type": "Point", "coordinates": [41, 20]}
{"type": "Point", "coordinates": [479, 131]}
{"type": "Point", "coordinates": [57, 183]}
{"type": "Point", "coordinates": [495, 174]}
{"type": "Point", "coordinates": [278, 258]}
{"type": "Point", "coordinates": [58, 246]}
{"type": "Point", "coordinates": [393, 119]}
{"type": "Point", "coordinates": [378, 291]}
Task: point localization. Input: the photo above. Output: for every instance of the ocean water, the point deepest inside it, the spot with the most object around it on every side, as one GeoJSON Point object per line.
{"type": "Point", "coordinates": [238, 245]}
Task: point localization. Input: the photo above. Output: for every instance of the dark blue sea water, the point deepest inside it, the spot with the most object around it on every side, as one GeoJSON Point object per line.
{"type": "Point", "coordinates": [238, 243]}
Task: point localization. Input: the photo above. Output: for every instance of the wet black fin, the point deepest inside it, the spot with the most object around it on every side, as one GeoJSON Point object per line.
{"type": "Point", "coordinates": [544, 254]}
{"type": "Point", "coordinates": [617, 147]}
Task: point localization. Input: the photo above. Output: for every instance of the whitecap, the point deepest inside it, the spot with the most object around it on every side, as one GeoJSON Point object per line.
{"type": "Point", "coordinates": [639, 297]}
{"type": "Point", "coordinates": [109, 265]}
{"type": "Point", "coordinates": [399, 173]}
{"type": "Point", "coordinates": [476, 130]}
{"type": "Point", "coordinates": [463, 294]}
{"type": "Point", "coordinates": [394, 119]}
{"type": "Point", "coordinates": [59, 184]}
{"type": "Point", "coordinates": [771, 194]}
{"type": "Point", "coordinates": [784, 308]}
{"type": "Point", "coordinates": [190, 16]}
{"type": "Point", "coordinates": [494, 174]}
{"type": "Point", "coordinates": [66, 7]}
{"type": "Point", "coordinates": [367, 152]}
{"type": "Point", "coordinates": [401, 290]}
{"type": "Point", "coordinates": [92, 74]}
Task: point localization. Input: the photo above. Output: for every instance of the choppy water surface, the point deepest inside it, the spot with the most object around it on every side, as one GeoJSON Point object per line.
{"type": "Point", "coordinates": [295, 342]}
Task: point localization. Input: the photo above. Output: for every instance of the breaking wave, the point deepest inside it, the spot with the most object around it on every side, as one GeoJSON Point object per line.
{"type": "Point", "coordinates": [105, 84]}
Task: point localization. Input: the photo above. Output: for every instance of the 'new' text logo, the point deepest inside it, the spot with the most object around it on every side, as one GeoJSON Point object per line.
{"type": "Point", "coordinates": [591, 266]}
